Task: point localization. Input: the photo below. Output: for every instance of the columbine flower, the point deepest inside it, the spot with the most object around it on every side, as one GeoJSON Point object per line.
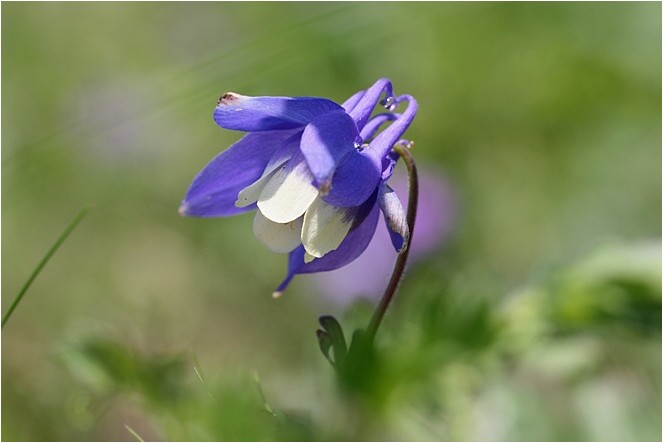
{"type": "Point", "coordinates": [315, 171]}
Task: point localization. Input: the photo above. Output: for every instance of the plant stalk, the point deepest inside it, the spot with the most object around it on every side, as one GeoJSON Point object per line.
{"type": "Point", "coordinates": [413, 183]}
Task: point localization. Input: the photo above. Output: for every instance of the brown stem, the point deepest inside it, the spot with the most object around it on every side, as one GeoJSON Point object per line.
{"type": "Point", "coordinates": [397, 274]}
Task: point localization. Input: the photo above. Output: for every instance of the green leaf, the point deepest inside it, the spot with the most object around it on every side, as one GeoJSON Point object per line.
{"type": "Point", "coordinates": [335, 333]}
{"type": "Point", "coordinates": [325, 342]}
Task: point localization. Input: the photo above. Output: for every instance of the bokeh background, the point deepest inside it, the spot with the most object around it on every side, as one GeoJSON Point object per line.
{"type": "Point", "coordinates": [537, 316]}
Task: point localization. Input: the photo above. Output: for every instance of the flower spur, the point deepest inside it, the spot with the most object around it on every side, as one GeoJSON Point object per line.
{"type": "Point", "coordinates": [315, 172]}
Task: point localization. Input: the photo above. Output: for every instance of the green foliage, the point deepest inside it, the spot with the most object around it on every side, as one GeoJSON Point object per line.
{"type": "Point", "coordinates": [443, 352]}
{"type": "Point", "coordinates": [107, 366]}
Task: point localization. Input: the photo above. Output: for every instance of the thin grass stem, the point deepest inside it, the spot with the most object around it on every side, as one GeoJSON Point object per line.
{"type": "Point", "coordinates": [134, 433]}
{"type": "Point", "coordinates": [68, 230]}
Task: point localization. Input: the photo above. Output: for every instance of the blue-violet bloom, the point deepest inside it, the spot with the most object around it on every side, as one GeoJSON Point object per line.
{"type": "Point", "coordinates": [315, 171]}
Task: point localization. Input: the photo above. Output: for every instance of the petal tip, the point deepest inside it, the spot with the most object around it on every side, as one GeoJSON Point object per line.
{"type": "Point", "coordinates": [184, 209]}
{"type": "Point", "coordinates": [308, 258]}
{"type": "Point", "coordinates": [403, 246]}
{"type": "Point", "coordinates": [228, 98]}
{"type": "Point", "coordinates": [278, 292]}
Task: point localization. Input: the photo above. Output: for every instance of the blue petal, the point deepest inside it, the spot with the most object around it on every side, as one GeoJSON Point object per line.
{"type": "Point", "coordinates": [353, 245]}
{"type": "Point", "coordinates": [350, 103]}
{"type": "Point", "coordinates": [242, 113]}
{"type": "Point", "coordinates": [394, 217]}
{"type": "Point", "coordinates": [385, 140]}
{"type": "Point", "coordinates": [363, 109]}
{"type": "Point", "coordinates": [355, 179]}
{"type": "Point", "coordinates": [374, 124]}
{"type": "Point", "coordinates": [214, 190]}
{"type": "Point", "coordinates": [389, 165]}
{"type": "Point", "coordinates": [325, 141]}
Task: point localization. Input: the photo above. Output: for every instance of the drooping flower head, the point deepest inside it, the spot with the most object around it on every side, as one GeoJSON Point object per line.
{"type": "Point", "coordinates": [315, 172]}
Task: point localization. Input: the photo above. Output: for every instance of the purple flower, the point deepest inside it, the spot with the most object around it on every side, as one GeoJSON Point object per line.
{"type": "Point", "coordinates": [315, 171]}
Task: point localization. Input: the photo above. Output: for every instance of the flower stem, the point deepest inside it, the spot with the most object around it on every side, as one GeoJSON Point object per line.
{"type": "Point", "coordinates": [403, 150]}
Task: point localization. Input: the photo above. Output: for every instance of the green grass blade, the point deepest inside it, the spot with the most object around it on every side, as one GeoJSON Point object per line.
{"type": "Point", "coordinates": [72, 225]}
{"type": "Point", "coordinates": [132, 432]}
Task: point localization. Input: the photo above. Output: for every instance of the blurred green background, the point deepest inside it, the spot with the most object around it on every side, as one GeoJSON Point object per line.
{"type": "Point", "coordinates": [540, 318]}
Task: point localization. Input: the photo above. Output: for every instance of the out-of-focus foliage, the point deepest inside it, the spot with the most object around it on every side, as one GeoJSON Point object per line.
{"type": "Point", "coordinates": [540, 319]}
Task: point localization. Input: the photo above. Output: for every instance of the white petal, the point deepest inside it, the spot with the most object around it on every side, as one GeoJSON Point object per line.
{"type": "Point", "coordinates": [325, 227]}
{"type": "Point", "coordinates": [395, 217]}
{"type": "Point", "coordinates": [288, 194]}
{"type": "Point", "coordinates": [279, 237]}
{"type": "Point", "coordinates": [251, 193]}
{"type": "Point", "coordinates": [308, 258]}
